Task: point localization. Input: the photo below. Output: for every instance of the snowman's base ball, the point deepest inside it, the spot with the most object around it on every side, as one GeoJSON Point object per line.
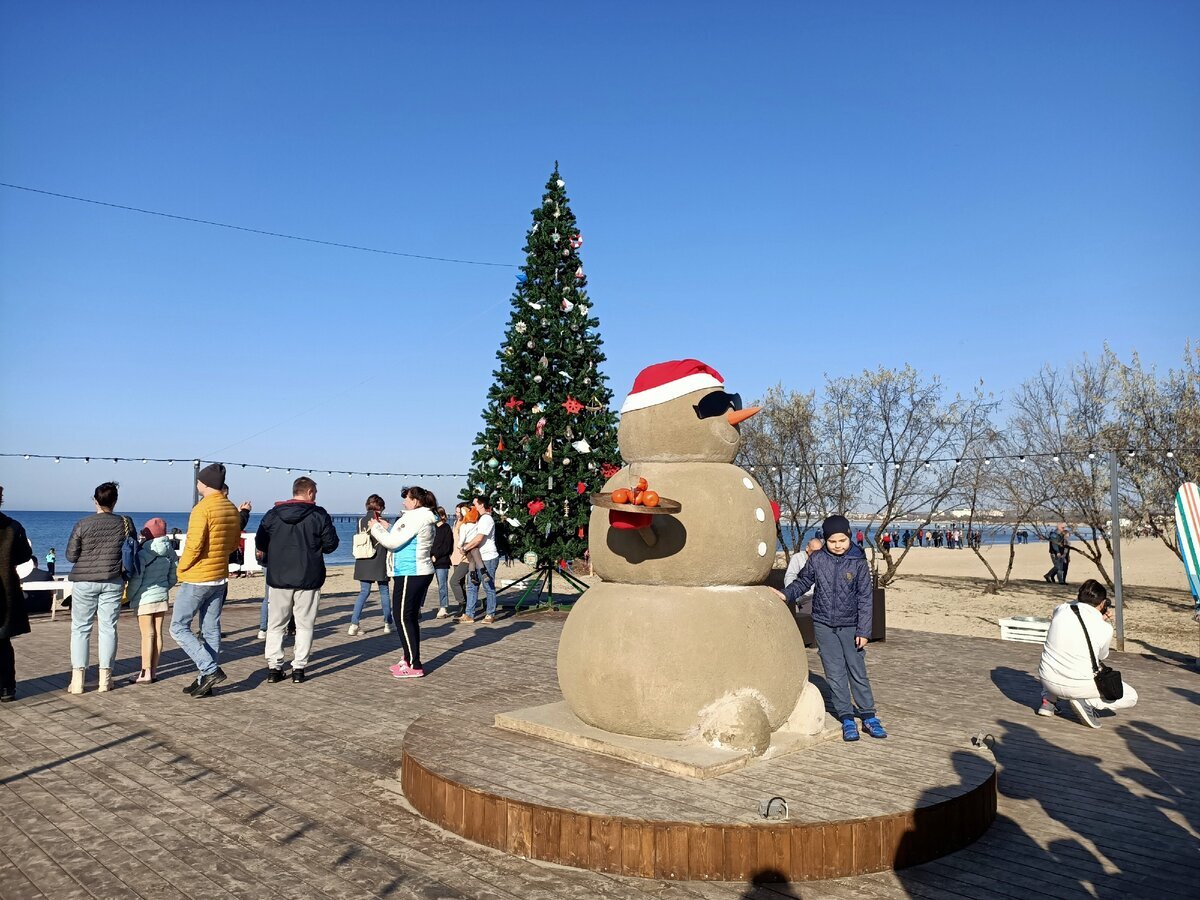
{"type": "Point", "coordinates": [661, 661]}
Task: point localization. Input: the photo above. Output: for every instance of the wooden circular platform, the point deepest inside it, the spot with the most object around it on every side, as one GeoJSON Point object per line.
{"type": "Point", "coordinates": [853, 808]}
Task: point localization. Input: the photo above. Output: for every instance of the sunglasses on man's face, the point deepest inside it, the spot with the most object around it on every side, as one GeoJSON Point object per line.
{"type": "Point", "coordinates": [717, 404]}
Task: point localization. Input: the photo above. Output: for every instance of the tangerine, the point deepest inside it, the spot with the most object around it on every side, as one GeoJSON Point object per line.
{"type": "Point", "coordinates": [641, 484]}
{"type": "Point", "coordinates": [637, 498]}
{"type": "Point", "coordinates": [621, 495]}
{"type": "Point", "coordinates": [650, 498]}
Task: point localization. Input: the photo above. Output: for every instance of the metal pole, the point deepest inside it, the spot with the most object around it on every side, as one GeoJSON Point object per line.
{"type": "Point", "coordinates": [195, 479]}
{"type": "Point", "coordinates": [1115, 529]}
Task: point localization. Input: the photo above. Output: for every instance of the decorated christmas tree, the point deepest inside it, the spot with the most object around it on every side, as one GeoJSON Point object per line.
{"type": "Point", "coordinates": [549, 438]}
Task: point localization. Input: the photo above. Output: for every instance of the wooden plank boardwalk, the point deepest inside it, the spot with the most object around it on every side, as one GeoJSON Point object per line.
{"type": "Point", "coordinates": [290, 790]}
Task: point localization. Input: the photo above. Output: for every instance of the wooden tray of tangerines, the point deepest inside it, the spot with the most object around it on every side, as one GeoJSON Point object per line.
{"type": "Point", "coordinates": [639, 498]}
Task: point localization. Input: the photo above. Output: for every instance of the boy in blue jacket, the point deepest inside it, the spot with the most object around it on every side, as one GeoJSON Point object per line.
{"type": "Point", "coordinates": [841, 612]}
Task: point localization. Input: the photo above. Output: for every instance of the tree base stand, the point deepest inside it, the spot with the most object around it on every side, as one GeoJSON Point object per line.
{"type": "Point", "coordinates": [541, 581]}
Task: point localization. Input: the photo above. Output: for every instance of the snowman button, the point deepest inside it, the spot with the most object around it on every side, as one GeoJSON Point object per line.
{"type": "Point", "coordinates": [760, 515]}
{"type": "Point", "coordinates": [748, 483]}
{"type": "Point", "coordinates": [762, 548]}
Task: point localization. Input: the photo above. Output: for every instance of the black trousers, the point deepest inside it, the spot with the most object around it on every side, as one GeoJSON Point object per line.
{"type": "Point", "coordinates": [408, 596]}
{"type": "Point", "coordinates": [8, 664]}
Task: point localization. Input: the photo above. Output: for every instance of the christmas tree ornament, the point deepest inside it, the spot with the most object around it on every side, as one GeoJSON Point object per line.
{"type": "Point", "coordinates": [567, 305]}
{"type": "Point", "coordinates": [591, 467]}
{"type": "Point", "coordinates": [576, 241]}
{"type": "Point", "coordinates": [547, 200]}
{"type": "Point", "coordinates": [572, 405]}
{"type": "Point", "coordinates": [493, 462]}
{"type": "Point", "coordinates": [557, 213]}
{"type": "Point", "coordinates": [555, 237]}
{"type": "Point", "coordinates": [535, 507]}
{"type": "Point", "coordinates": [581, 487]}
{"type": "Point", "coordinates": [514, 403]}
{"type": "Point", "coordinates": [500, 444]}
{"type": "Point", "coordinates": [566, 252]}
{"type": "Point", "coordinates": [521, 328]}
{"type": "Point", "coordinates": [587, 381]}
{"type": "Point", "coordinates": [540, 427]}
{"type": "Point", "coordinates": [547, 529]}
{"type": "Point", "coordinates": [550, 483]}
{"type": "Point", "coordinates": [537, 379]}
{"type": "Point", "coordinates": [561, 183]}
{"type": "Point", "coordinates": [583, 309]}
{"type": "Point", "coordinates": [544, 361]}
{"type": "Point", "coordinates": [579, 274]}
{"type": "Point", "coordinates": [522, 277]}
{"type": "Point", "coordinates": [533, 305]}
{"type": "Point", "coordinates": [537, 408]}
{"type": "Point", "coordinates": [548, 456]}
{"type": "Point", "coordinates": [582, 446]}
{"type": "Point", "coordinates": [566, 460]}
{"type": "Point", "coordinates": [570, 434]}
{"type": "Point", "coordinates": [515, 524]}
{"type": "Point", "coordinates": [580, 532]}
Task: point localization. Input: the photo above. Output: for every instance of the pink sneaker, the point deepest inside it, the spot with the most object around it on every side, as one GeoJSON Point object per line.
{"type": "Point", "coordinates": [398, 669]}
{"type": "Point", "coordinates": [410, 672]}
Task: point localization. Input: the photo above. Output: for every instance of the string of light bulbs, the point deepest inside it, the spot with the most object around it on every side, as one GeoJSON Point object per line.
{"type": "Point", "coordinates": [1058, 456]}
{"type": "Point", "coordinates": [308, 470]}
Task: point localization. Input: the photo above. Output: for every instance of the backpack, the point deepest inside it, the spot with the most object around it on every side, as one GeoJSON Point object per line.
{"type": "Point", "coordinates": [131, 562]}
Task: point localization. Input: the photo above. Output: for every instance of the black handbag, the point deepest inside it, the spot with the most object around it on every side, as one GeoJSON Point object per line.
{"type": "Point", "coordinates": [1108, 680]}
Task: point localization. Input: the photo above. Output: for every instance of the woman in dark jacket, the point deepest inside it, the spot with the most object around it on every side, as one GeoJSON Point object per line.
{"type": "Point", "coordinates": [443, 546]}
{"type": "Point", "coordinates": [14, 550]}
{"type": "Point", "coordinates": [371, 570]}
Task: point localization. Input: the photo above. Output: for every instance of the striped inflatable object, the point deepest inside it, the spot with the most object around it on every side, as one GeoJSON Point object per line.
{"type": "Point", "coordinates": [1187, 525]}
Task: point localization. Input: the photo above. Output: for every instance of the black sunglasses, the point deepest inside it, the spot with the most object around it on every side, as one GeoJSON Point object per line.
{"type": "Point", "coordinates": [717, 404]}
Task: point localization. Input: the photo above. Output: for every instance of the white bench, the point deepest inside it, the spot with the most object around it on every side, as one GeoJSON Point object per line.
{"type": "Point", "coordinates": [61, 588]}
{"type": "Point", "coordinates": [1029, 629]}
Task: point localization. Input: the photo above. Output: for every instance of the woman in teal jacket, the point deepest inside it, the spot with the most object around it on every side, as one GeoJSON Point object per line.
{"type": "Point", "coordinates": [148, 592]}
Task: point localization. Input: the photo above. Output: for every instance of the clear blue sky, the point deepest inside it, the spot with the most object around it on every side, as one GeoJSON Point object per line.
{"type": "Point", "coordinates": [782, 190]}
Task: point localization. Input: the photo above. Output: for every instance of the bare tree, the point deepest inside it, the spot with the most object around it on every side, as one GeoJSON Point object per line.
{"type": "Point", "coordinates": [1158, 427]}
{"type": "Point", "coordinates": [777, 447]}
{"type": "Point", "coordinates": [909, 436]}
{"type": "Point", "coordinates": [1063, 419]}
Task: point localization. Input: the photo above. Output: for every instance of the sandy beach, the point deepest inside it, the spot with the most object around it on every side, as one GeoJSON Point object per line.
{"type": "Point", "coordinates": [945, 591]}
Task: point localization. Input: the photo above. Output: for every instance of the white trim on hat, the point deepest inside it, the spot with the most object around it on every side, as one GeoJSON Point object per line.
{"type": "Point", "coordinates": [670, 391]}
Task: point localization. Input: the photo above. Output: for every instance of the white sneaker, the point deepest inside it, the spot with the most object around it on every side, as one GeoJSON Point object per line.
{"type": "Point", "coordinates": [353, 629]}
{"type": "Point", "coordinates": [442, 613]}
{"type": "Point", "coordinates": [1085, 712]}
{"type": "Point", "coordinates": [387, 629]}
{"type": "Point", "coordinates": [262, 635]}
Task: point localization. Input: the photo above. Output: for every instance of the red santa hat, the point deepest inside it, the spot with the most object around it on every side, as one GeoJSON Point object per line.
{"type": "Point", "coordinates": [668, 380]}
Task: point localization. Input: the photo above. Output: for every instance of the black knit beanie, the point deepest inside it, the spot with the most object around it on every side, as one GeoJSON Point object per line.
{"type": "Point", "coordinates": [213, 476]}
{"type": "Point", "coordinates": [835, 525]}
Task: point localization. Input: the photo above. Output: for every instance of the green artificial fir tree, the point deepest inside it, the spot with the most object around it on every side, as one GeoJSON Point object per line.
{"type": "Point", "coordinates": [549, 438]}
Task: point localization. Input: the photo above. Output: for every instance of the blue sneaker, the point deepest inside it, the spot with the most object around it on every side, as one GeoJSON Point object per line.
{"type": "Point", "coordinates": [873, 727]}
{"type": "Point", "coordinates": [849, 730]}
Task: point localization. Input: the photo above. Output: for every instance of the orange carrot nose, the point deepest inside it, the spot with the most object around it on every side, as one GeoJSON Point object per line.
{"type": "Point", "coordinates": [741, 415]}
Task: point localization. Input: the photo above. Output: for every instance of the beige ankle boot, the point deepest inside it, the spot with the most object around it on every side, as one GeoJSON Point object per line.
{"type": "Point", "coordinates": [105, 680]}
{"type": "Point", "coordinates": [76, 685]}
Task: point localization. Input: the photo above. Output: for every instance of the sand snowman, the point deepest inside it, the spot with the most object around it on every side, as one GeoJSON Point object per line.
{"type": "Point", "coordinates": [681, 639]}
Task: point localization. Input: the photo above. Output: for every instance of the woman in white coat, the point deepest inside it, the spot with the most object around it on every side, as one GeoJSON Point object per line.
{"type": "Point", "coordinates": [410, 541]}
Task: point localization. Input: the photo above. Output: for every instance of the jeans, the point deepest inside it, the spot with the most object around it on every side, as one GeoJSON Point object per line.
{"type": "Point", "coordinates": [205, 600]}
{"type": "Point", "coordinates": [99, 600]}
{"type": "Point", "coordinates": [1058, 573]}
{"type": "Point", "coordinates": [489, 586]}
{"type": "Point", "coordinates": [458, 577]}
{"type": "Point", "coordinates": [364, 592]}
{"type": "Point", "coordinates": [443, 580]}
{"type": "Point", "coordinates": [845, 668]}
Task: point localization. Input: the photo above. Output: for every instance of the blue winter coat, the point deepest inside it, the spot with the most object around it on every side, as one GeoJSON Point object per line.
{"type": "Point", "coordinates": [843, 589]}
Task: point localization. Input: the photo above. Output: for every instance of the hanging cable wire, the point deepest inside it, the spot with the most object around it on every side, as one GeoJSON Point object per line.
{"type": "Point", "coordinates": [277, 234]}
{"type": "Point", "coordinates": [59, 457]}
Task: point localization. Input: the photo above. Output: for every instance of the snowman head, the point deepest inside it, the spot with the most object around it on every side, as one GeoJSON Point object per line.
{"type": "Point", "coordinates": [679, 411]}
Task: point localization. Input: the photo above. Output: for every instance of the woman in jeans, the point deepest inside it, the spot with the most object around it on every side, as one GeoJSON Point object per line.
{"type": "Point", "coordinates": [458, 559]}
{"type": "Point", "coordinates": [372, 570]}
{"type": "Point", "coordinates": [94, 549]}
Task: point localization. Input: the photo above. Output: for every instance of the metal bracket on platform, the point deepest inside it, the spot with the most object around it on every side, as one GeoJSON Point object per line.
{"type": "Point", "coordinates": [775, 808]}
